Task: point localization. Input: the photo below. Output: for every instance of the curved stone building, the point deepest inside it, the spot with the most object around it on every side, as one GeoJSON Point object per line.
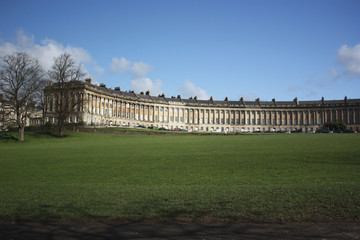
{"type": "Point", "coordinates": [101, 106]}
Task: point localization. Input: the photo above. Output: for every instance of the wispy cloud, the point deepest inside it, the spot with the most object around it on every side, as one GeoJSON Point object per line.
{"type": "Point", "coordinates": [140, 69]}
{"type": "Point", "coordinates": [248, 96]}
{"type": "Point", "coordinates": [120, 65]}
{"type": "Point", "coordinates": [146, 84]}
{"type": "Point", "coordinates": [349, 58]}
{"type": "Point", "coordinates": [190, 90]}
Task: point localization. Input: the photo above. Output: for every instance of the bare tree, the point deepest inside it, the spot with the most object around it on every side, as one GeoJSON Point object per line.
{"type": "Point", "coordinates": [42, 101]}
{"type": "Point", "coordinates": [63, 71]}
{"type": "Point", "coordinates": [20, 76]}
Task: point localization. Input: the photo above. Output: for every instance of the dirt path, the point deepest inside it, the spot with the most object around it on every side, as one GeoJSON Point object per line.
{"type": "Point", "coordinates": [178, 230]}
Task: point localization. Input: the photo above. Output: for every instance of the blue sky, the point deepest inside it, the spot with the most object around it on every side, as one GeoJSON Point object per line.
{"type": "Point", "coordinates": [250, 48]}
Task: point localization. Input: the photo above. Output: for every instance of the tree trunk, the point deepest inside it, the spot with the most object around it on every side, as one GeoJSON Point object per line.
{"type": "Point", "coordinates": [21, 134]}
{"type": "Point", "coordinates": [61, 130]}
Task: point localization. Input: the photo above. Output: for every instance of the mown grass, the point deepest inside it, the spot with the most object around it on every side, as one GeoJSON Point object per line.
{"type": "Point", "coordinates": [257, 178]}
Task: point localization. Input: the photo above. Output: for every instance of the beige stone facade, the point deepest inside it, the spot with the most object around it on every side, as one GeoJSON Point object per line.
{"type": "Point", "coordinates": [102, 106]}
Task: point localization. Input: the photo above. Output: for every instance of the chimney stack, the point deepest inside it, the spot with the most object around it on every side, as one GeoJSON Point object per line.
{"type": "Point", "coordinates": [88, 80]}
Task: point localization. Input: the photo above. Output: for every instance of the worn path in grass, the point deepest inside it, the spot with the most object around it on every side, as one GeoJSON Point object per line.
{"type": "Point", "coordinates": [178, 230]}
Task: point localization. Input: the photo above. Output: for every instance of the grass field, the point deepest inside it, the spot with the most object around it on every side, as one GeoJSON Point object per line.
{"type": "Point", "coordinates": [256, 178]}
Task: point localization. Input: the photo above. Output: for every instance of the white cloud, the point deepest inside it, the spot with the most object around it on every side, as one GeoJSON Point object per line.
{"type": "Point", "coordinates": [120, 65]}
{"type": "Point", "coordinates": [23, 40]}
{"type": "Point", "coordinates": [140, 69]}
{"type": "Point", "coordinates": [349, 58]}
{"type": "Point", "coordinates": [248, 97]}
{"type": "Point", "coordinates": [334, 73]}
{"type": "Point", "coordinates": [46, 50]}
{"type": "Point", "coordinates": [190, 90]}
{"type": "Point", "coordinates": [99, 69]}
{"type": "Point", "coordinates": [145, 84]}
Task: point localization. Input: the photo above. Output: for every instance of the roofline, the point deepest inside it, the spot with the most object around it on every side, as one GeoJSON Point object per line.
{"type": "Point", "coordinates": [131, 95]}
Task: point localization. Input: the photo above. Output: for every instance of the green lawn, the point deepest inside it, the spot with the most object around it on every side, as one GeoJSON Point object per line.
{"type": "Point", "coordinates": [258, 178]}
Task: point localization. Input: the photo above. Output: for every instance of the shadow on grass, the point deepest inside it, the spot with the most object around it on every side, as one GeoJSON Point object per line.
{"type": "Point", "coordinates": [7, 137]}
{"type": "Point", "coordinates": [39, 134]}
{"type": "Point", "coordinates": [11, 136]}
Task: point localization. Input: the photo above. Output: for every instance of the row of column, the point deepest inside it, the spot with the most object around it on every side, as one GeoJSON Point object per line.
{"type": "Point", "coordinates": [108, 107]}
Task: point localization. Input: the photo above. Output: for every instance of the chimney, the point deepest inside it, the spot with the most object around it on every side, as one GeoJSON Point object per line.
{"type": "Point", "coordinates": [147, 92]}
{"type": "Point", "coordinates": [117, 88]}
{"type": "Point", "coordinates": [296, 101]}
{"type": "Point", "coordinates": [88, 80]}
{"type": "Point", "coordinates": [102, 85]}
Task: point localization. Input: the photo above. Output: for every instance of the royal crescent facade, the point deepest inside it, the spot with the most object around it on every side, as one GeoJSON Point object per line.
{"type": "Point", "coordinates": [102, 106]}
